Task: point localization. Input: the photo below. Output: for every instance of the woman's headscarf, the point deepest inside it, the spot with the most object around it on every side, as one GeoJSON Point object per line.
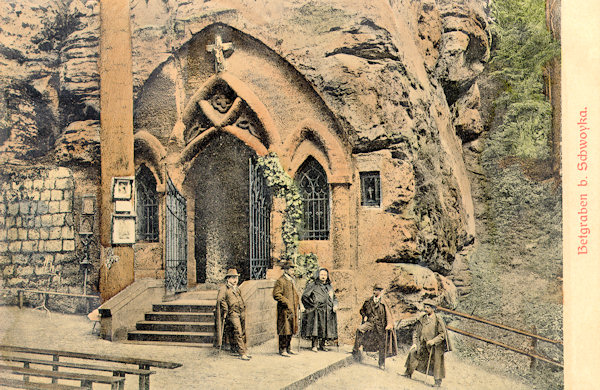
{"type": "Point", "coordinates": [317, 272]}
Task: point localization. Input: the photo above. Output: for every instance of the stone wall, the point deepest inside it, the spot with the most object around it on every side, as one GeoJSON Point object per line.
{"type": "Point", "coordinates": [261, 310]}
{"type": "Point", "coordinates": [392, 78]}
{"type": "Point", "coordinates": [37, 235]}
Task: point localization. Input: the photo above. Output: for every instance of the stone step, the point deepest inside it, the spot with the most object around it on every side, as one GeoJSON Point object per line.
{"type": "Point", "coordinates": [179, 316]}
{"type": "Point", "coordinates": [204, 306]}
{"type": "Point", "coordinates": [198, 295]}
{"type": "Point", "coordinates": [170, 343]}
{"type": "Point", "coordinates": [175, 326]}
{"type": "Point", "coordinates": [179, 337]}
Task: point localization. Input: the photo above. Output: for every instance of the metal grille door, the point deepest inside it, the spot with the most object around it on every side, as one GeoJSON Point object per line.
{"type": "Point", "coordinates": [176, 240]}
{"type": "Point", "coordinates": [260, 218]}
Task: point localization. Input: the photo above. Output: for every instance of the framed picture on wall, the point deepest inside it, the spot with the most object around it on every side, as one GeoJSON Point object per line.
{"type": "Point", "coordinates": [123, 229]}
{"type": "Point", "coordinates": [122, 188]}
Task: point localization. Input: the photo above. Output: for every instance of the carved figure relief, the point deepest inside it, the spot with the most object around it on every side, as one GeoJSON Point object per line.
{"type": "Point", "coordinates": [219, 106]}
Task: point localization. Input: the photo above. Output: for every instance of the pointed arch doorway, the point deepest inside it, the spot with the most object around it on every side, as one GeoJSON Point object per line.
{"type": "Point", "coordinates": [232, 211]}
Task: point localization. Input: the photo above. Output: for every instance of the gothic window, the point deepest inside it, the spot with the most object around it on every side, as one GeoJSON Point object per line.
{"type": "Point", "coordinates": [370, 187]}
{"type": "Point", "coordinates": [314, 189]}
{"type": "Point", "coordinates": [147, 205]}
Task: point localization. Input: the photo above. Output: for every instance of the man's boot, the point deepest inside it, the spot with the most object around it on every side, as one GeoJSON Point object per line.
{"type": "Point", "coordinates": [438, 383]}
{"type": "Point", "coordinates": [322, 346]}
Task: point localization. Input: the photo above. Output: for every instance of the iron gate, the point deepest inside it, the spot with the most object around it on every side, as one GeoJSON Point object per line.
{"type": "Point", "coordinates": [176, 240]}
{"type": "Point", "coordinates": [260, 218]}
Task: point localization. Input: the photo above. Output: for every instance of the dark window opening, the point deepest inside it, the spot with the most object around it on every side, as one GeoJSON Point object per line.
{"type": "Point", "coordinates": [370, 187]}
{"type": "Point", "coordinates": [147, 206]}
{"type": "Point", "coordinates": [314, 190]}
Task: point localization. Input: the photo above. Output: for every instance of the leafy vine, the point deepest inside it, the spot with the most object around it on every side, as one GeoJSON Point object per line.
{"type": "Point", "coordinates": [283, 186]}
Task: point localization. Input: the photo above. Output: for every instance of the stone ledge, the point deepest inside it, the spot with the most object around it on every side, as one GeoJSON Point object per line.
{"type": "Point", "coordinates": [123, 310]}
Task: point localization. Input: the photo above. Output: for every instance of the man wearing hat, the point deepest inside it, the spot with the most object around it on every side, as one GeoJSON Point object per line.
{"type": "Point", "coordinates": [231, 311]}
{"type": "Point", "coordinates": [288, 301]}
{"type": "Point", "coordinates": [376, 333]}
{"type": "Point", "coordinates": [430, 342]}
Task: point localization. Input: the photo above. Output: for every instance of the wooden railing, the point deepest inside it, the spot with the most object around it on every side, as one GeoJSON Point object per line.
{"type": "Point", "coordinates": [534, 337]}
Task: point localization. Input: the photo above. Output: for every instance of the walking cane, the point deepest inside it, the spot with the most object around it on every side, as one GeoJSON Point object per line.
{"type": "Point", "coordinates": [385, 347]}
{"type": "Point", "coordinates": [221, 330]}
{"type": "Point", "coordinates": [299, 330]}
{"type": "Point", "coordinates": [428, 362]}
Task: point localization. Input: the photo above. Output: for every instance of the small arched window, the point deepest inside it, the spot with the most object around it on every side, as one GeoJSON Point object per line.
{"type": "Point", "coordinates": [147, 205]}
{"type": "Point", "coordinates": [314, 190]}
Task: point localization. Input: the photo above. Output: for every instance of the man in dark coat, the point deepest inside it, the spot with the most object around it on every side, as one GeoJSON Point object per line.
{"type": "Point", "coordinates": [231, 311]}
{"type": "Point", "coordinates": [430, 342]}
{"type": "Point", "coordinates": [376, 333]}
{"type": "Point", "coordinates": [288, 301]}
{"type": "Point", "coordinates": [319, 321]}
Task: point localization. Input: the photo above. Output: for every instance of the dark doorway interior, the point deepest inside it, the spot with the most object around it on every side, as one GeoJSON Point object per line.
{"type": "Point", "coordinates": [220, 177]}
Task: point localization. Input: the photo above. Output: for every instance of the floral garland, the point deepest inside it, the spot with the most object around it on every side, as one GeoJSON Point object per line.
{"type": "Point", "coordinates": [283, 186]}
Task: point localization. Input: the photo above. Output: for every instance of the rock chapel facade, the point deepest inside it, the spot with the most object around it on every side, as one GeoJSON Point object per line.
{"type": "Point", "coordinates": [366, 109]}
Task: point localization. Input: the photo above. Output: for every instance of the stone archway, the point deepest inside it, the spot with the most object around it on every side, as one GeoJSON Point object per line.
{"type": "Point", "coordinates": [257, 104]}
{"type": "Point", "coordinates": [219, 179]}
{"type": "Point", "coordinates": [223, 128]}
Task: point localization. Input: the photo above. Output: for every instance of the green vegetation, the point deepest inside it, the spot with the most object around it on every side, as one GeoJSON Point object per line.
{"type": "Point", "coordinates": [523, 47]}
{"type": "Point", "coordinates": [306, 265]}
{"type": "Point", "coordinates": [517, 266]}
{"type": "Point", "coordinates": [283, 186]}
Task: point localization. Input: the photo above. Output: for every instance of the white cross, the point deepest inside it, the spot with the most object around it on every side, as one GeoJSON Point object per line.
{"type": "Point", "coordinates": [218, 49]}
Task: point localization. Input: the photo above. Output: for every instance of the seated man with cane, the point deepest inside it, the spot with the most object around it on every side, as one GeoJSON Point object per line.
{"type": "Point", "coordinates": [231, 311]}
{"type": "Point", "coordinates": [430, 342]}
{"type": "Point", "coordinates": [376, 333]}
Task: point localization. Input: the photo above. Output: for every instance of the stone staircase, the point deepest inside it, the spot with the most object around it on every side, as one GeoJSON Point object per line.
{"type": "Point", "coordinates": [189, 320]}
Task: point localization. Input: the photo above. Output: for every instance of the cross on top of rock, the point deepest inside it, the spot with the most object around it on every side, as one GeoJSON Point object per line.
{"type": "Point", "coordinates": [218, 49]}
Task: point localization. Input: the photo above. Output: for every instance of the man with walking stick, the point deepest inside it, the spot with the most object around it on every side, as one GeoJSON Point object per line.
{"type": "Point", "coordinates": [376, 333]}
{"type": "Point", "coordinates": [231, 311]}
{"type": "Point", "coordinates": [430, 342]}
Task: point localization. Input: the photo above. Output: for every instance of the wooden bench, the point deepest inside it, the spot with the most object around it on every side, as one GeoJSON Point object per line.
{"type": "Point", "coordinates": [117, 371]}
{"type": "Point", "coordinates": [44, 293]}
{"type": "Point", "coordinates": [86, 380]}
{"type": "Point", "coordinates": [17, 384]}
{"type": "Point", "coordinates": [142, 371]}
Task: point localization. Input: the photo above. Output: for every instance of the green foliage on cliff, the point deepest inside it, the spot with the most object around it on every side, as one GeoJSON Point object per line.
{"type": "Point", "coordinates": [523, 45]}
{"type": "Point", "coordinates": [517, 265]}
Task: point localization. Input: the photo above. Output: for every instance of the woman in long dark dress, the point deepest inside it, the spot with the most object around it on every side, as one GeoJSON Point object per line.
{"type": "Point", "coordinates": [319, 321]}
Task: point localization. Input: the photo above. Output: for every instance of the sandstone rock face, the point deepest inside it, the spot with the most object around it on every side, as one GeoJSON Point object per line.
{"type": "Point", "coordinates": [398, 78]}
{"type": "Point", "coordinates": [467, 118]}
{"type": "Point", "coordinates": [79, 143]}
{"type": "Point", "coordinates": [412, 283]}
{"type": "Point", "coordinates": [464, 46]}
{"type": "Point", "coordinates": [409, 286]}
{"type": "Point", "coordinates": [48, 62]}
{"type": "Point", "coordinates": [79, 77]}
